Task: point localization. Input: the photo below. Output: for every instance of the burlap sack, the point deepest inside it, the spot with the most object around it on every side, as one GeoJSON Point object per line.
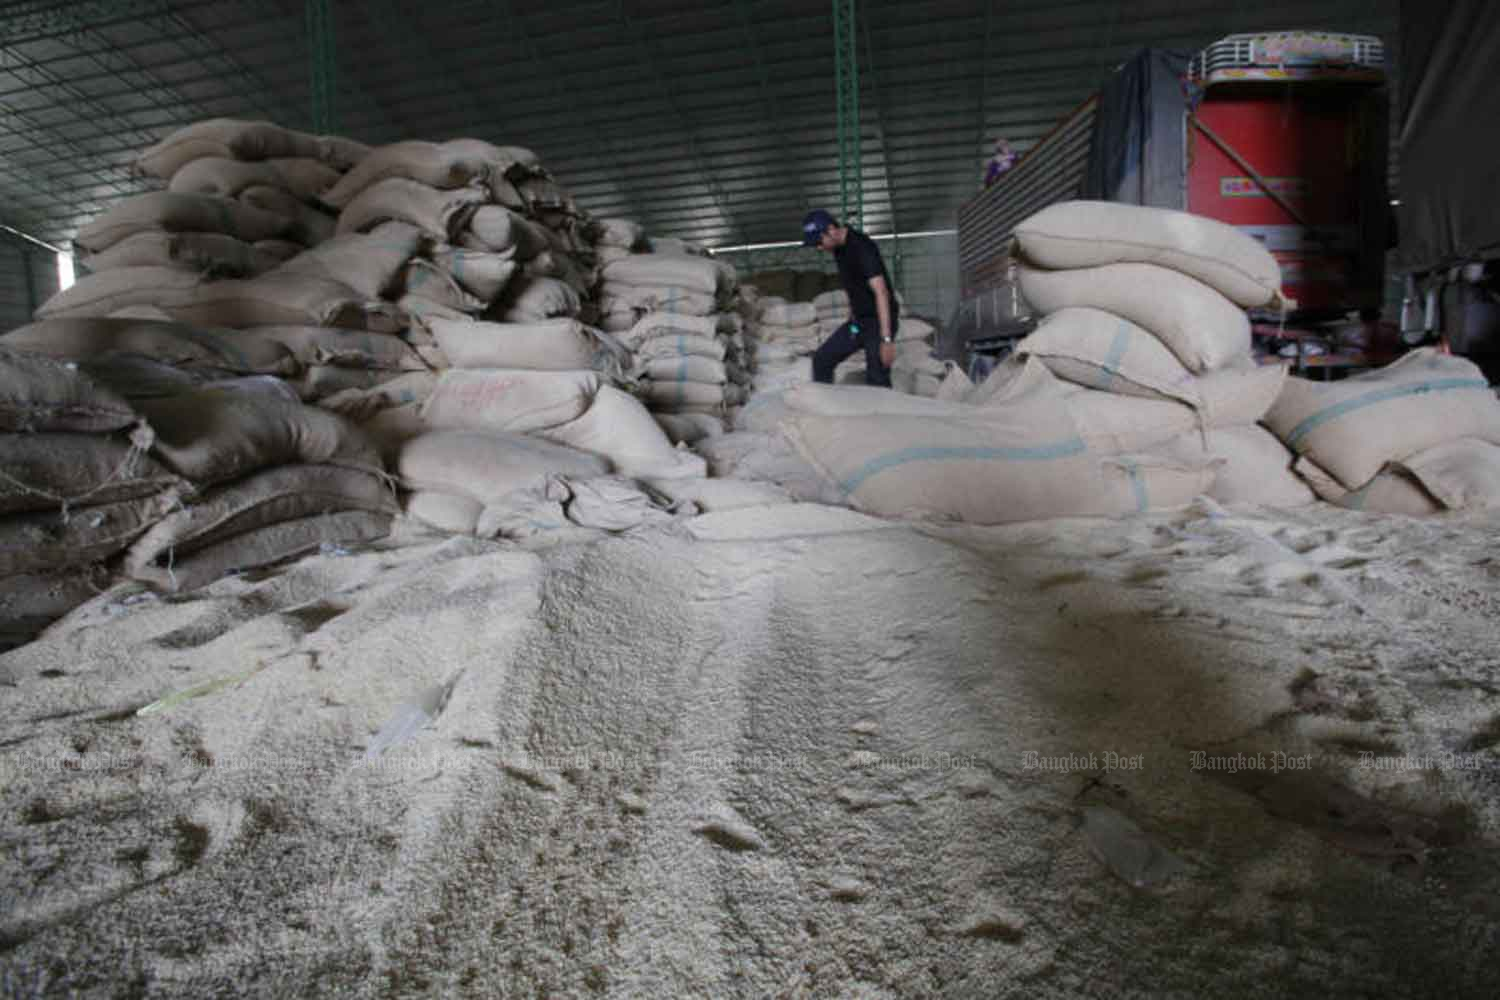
{"type": "Point", "coordinates": [181, 213]}
{"type": "Point", "coordinates": [1355, 426]}
{"type": "Point", "coordinates": [1462, 474]}
{"type": "Point", "coordinates": [1241, 394]}
{"type": "Point", "coordinates": [320, 382]}
{"type": "Point", "coordinates": [1024, 461]}
{"type": "Point", "coordinates": [450, 512]}
{"type": "Point", "coordinates": [444, 166]}
{"type": "Point", "coordinates": [499, 230]}
{"type": "Point", "coordinates": [657, 298]}
{"type": "Point", "coordinates": [426, 280]}
{"type": "Point", "coordinates": [623, 233]}
{"type": "Point", "coordinates": [282, 250]}
{"type": "Point", "coordinates": [677, 395]}
{"type": "Point", "coordinates": [441, 214]}
{"type": "Point", "coordinates": [313, 226]}
{"type": "Point", "coordinates": [1255, 468]}
{"type": "Point", "coordinates": [342, 153]}
{"type": "Point", "coordinates": [283, 298]}
{"type": "Point", "coordinates": [509, 399]}
{"type": "Point", "coordinates": [228, 138]}
{"type": "Point", "coordinates": [272, 496]}
{"type": "Point", "coordinates": [215, 434]}
{"type": "Point", "coordinates": [391, 427]}
{"type": "Point", "coordinates": [62, 471]}
{"type": "Point", "coordinates": [698, 274]}
{"type": "Point", "coordinates": [370, 263]}
{"type": "Point", "coordinates": [530, 300]}
{"type": "Point", "coordinates": [1203, 328]}
{"type": "Point", "coordinates": [305, 179]}
{"type": "Point", "coordinates": [40, 394]}
{"type": "Point", "coordinates": [1394, 491]}
{"type": "Point", "coordinates": [1102, 351]}
{"type": "Point", "coordinates": [684, 368]}
{"type": "Point", "coordinates": [680, 345]}
{"type": "Point", "coordinates": [686, 428]}
{"type": "Point", "coordinates": [482, 273]}
{"type": "Point", "coordinates": [548, 345]}
{"type": "Point", "coordinates": [170, 343]}
{"type": "Point", "coordinates": [1075, 234]}
{"type": "Point", "coordinates": [99, 295]}
{"type": "Point", "coordinates": [359, 405]}
{"type": "Point", "coordinates": [486, 465]}
{"type": "Point", "coordinates": [661, 324]}
{"type": "Point", "coordinates": [41, 542]}
{"type": "Point", "coordinates": [264, 546]}
{"type": "Point", "coordinates": [214, 254]}
{"type": "Point", "coordinates": [326, 345]}
{"type": "Point", "coordinates": [779, 312]}
{"type": "Point", "coordinates": [618, 428]}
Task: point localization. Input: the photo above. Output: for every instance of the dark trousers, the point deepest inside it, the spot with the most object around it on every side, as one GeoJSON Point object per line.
{"type": "Point", "coordinates": [847, 340]}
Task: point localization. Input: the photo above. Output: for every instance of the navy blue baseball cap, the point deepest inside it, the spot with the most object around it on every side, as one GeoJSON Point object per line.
{"type": "Point", "coordinates": [813, 226]}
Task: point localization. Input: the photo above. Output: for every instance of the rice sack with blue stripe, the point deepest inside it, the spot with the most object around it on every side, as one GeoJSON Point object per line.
{"type": "Point", "coordinates": [1352, 428]}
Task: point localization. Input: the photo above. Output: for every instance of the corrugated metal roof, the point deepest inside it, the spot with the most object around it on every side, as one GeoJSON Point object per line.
{"type": "Point", "coordinates": [709, 120]}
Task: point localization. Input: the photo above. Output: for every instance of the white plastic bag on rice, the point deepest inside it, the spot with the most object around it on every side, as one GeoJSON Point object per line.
{"type": "Point", "coordinates": [442, 214]}
{"type": "Point", "coordinates": [684, 368]}
{"type": "Point", "coordinates": [1203, 328]}
{"type": "Point", "coordinates": [618, 428]}
{"type": "Point", "coordinates": [41, 394]}
{"type": "Point", "coordinates": [1074, 234]}
{"type": "Point", "coordinates": [370, 263]}
{"type": "Point", "coordinates": [488, 465]}
{"type": "Point", "coordinates": [1355, 426]}
{"type": "Point", "coordinates": [218, 254]}
{"type": "Point", "coordinates": [1102, 351]}
{"type": "Point", "coordinates": [548, 345]}
{"type": "Point", "coordinates": [174, 344]}
{"type": "Point", "coordinates": [529, 300]}
{"type": "Point", "coordinates": [450, 512]}
{"type": "Point", "coordinates": [510, 400]}
{"type": "Point", "coordinates": [668, 395]}
{"type": "Point", "coordinates": [229, 138]}
{"type": "Point", "coordinates": [180, 213]}
{"type": "Point", "coordinates": [1462, 474]}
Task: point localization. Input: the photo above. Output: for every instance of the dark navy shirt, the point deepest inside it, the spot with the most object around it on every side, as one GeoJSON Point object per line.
{"type": "Point", "coordinates": [859, 260]}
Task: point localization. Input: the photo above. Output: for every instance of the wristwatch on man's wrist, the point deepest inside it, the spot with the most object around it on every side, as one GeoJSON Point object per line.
{"type": "Point", "coordinates": [887, 340]}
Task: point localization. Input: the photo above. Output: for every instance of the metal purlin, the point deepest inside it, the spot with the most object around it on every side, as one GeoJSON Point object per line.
{"type": "Point", "coordinates": [324, 60]}
{"type": "Point", "coordinates": [846, 74]}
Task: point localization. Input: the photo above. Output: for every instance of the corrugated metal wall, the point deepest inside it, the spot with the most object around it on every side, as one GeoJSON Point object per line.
{"type": "Point", "coordinates": [28, 277]}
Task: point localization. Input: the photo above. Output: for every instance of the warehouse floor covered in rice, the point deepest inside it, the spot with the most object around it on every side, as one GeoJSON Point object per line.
{"type": "Point", "coordinates": [427, 567]}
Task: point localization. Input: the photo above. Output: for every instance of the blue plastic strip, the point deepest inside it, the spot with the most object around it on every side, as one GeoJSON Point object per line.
{"type": "Point", "coordinates": [1323, 416]}
{"type": "Point", "coordinates": [890, 460]}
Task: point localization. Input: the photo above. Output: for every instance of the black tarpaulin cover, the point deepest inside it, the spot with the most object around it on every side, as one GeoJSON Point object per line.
{"type": "Point", "coordinates": [1450, 132]}
{"type": "Point", "coordinates": [1136, 151]}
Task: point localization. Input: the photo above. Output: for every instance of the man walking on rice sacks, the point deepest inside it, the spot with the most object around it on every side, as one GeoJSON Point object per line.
{"type": "Point", "coordinates": [873, 312]}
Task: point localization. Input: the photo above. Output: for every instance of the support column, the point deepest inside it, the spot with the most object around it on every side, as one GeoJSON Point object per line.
{"type": "Point", "coordinates": [324, 62]}
{"type": "Point", "coordinates": [846, 74]}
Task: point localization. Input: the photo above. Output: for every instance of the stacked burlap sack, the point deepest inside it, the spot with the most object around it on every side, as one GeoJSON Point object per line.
{"type": "Point", "coordinates": [1420, 436]}
{"type": "Point", "coordinates": [646, 279]}
{"type": "Point", "coordinates": [177, 486]}
{"type": "Point", "coordinates": [488, 447]}
{"type": "Point", "coordinates": [690, 369]}
{"type": "Point", "coordinates": [785, 335]}
{"type": "Point", "coordinates": [1143, 318]}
